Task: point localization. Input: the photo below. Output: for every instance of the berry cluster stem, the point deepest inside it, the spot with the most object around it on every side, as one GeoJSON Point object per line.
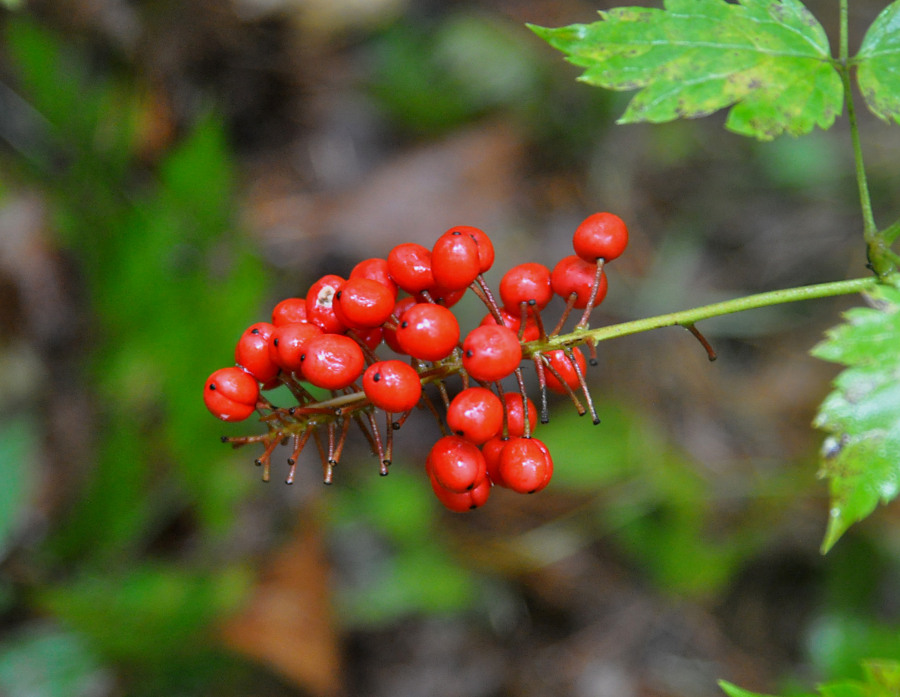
{"type": "Point", "coordinates": [687, 318]}
{"type": "Point", "coordinates": [682, 318]}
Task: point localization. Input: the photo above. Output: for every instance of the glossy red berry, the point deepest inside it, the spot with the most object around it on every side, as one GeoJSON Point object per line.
{"type": "Point", "coordinates": [529, 283]}
{"type": "Point", "coordinates": [288, 342]}
{"type": "Point", "coordinates": [370, 338]}
{"type": "Point", "coordinates": [363, 303]}
{"type": "Point", "coordinates": [491, 451]}
{"type": "Point", "coordinates": [289, 310]}
{"type": "Point", "coordinates": [573, 274]}
{"type": "Point", "coordinates": [476, 414]}
{"type": "Point", "coordinates": [392, 385]}
{"type": "Point", "coordinates": [485, 246]}
{"type": "Point", "coordinates": [600, 236]}
{"type": "Point", "coordinates": [409, 265]}
{"type": "Point", "coordinates": [566, 370]}
{"type": "Point", "coordinates": [375, 269]}
{"type": "Point", "coordinates": [252, 352]}
{"type": "Point", "coordinates": [332, 361]}
{"type": "Point", "coordinates": [455, 263]}
{"type": "Point", "coordinates": [525, 465]}
{"type": "Point", "coordinates": [456, 464]}
{"type": "Point", "coordinates": [231, 394]}
{"type": "Point", "coordinates": [491, 352]}
{"type": "Point", "coordinates": [442, 296]}
{"type": "Point", "coordinates": [513, 322]}
{"type": "Point", "coordinates": [515, 414]}
{"type": "Point", "coordinates": [320, 304]}
{"type": "Point", "coordinates": [390, 335]}
{"type": "Point", "coordinates": [467, 500]}
{"type": "Point", "coordinates": [428, 332]}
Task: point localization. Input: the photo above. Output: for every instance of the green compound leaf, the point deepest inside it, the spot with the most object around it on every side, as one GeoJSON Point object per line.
{"type": "Point", "coordinates": [878, 64]}
{"type": "Point", "coordinates": [769, 58]}
{"type": "Point", "coordinates": [861, 455]}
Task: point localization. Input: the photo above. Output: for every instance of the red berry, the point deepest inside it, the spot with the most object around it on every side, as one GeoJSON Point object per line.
{"type": "Point", "coordinates": [525, 465]}
{"type": "Point", "coordinates": [455, 263]}
{"type": "Point", "coordinates": [289, 310]}
{"type": "Point", "coordinates": [428, 332]}
{"type": "Point", "coordinates": [491, 451]}
{"type": "Point", "coordinates": [491, 352]}
{"type": "Point", "coordinates": [371, 338]}
{"type": "Point", "coordinates": [456, 464]}
{"type": "Point", "coordinates": [443, 296]}
{"type": "Point", "coordinates": [231, 394]}
{"type": "Point", "coordinates": [564, 367]}
{"type": "Point", "coordinates": [600, 236]}
{"type": "Point", "coordinates": [320, 304]}
{"type": "Point", "coordinates": [390, 335]}
{"type": "Point", "coordinates": [392, 385]}
{"type": "Point", "coordinates": [573, 274]}
{"type": "Point", "coordinates": [332, 361]}
{"type": "Point", "coordinates": [252, 352]}
{"type": "Point", "coordinates": [476, 414]}
{"type": "Point", "coordinates": [375, 269]}
{"type": "Point", "coordinates": [409, 265]}
{"type": "Point", "coordinates": [467, 500]}
{"type": "Point", "coordinates": [485, 246]}
{"type": "Point", "coordinates": [363, 303]}
{"type": "Point", "coordinates": [287, 343]}
{"type": "Point", "coordinates": [513, 321]}
{"type": "Point", "coordinates": [528, 283]}
{"type": "Point", "coordinates": [515, 414]}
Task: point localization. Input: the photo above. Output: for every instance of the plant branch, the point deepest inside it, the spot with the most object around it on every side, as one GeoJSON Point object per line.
{"type": "Point", "coordinates": [685, 318]}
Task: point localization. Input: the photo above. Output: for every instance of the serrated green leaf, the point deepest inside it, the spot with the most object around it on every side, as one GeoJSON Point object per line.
{"type": "Point", "coordinates": [878, 64]}
{"type": "Point", "coordinates": [770, 59]}
{"type": "Point", "coordinates": [861, 456]}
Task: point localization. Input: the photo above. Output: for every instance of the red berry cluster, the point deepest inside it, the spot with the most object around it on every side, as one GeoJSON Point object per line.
{"type": "Point", "coordinates": [329, 339]}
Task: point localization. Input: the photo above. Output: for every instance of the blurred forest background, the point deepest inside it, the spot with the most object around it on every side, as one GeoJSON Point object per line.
{"type": "Point", "coordinates": [171, 169]}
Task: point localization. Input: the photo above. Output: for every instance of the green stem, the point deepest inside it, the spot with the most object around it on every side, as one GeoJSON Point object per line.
{"type": "Point", "coordinates": [843, 49]}
{"type": "Point", "coordinates": [685, 318]}
{"type": "Point", "coordinates": [876, 246]}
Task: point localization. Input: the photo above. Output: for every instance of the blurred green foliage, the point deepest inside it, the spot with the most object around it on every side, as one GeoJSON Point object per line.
{"type": "Point", "coordinates": [169, 278]}
{"type": "Point", "coordinates": [431, 79]}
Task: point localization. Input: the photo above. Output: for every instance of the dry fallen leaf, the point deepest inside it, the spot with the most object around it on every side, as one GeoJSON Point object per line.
{"type": "Point", "coordinates": [287, 624]}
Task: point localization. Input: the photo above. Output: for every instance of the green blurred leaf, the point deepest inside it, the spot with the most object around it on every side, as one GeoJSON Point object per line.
{"type": "Point", "coordinates": [153, 613]}
{"type": "Point", "coordinates": [412, 571]}
{"type": "Point", "coordinates": [432, 79]}
{"type": "Point", "coordinates": [861, 456]}
{"type": "Point", "coordinates": [42, 661]}
{"type": "Point", "coordinates": [769, 58]}
{"type": "Point", "coordinates": [878, 64]}
{"type": "Point", "coordinates": [17, 472]}
{"type": "Point", "coordinates": [735, 691]}
{"type": "Point", "coordinates": [880, 680]}
{"type": "Point", "coordinates": [649, 495]}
